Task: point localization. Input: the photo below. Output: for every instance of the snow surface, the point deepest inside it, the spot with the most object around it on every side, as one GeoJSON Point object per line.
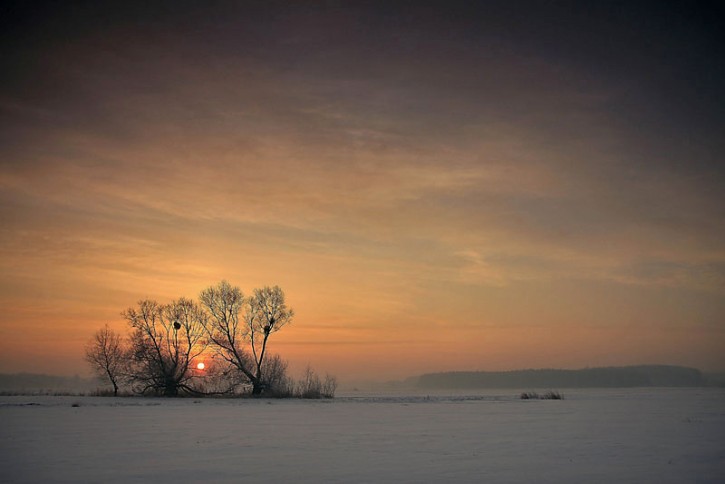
{"type": "Point", "coordinates": [652, 435]}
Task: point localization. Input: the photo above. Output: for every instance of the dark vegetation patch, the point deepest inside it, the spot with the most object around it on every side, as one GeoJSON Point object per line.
{"type": "Point", "coordinates": [550, 395]}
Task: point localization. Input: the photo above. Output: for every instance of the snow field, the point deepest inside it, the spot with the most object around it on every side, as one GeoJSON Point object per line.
{"type": "Point", "coordinates": [654, 435]}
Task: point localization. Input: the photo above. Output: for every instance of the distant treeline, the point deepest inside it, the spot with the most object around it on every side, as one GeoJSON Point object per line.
{"type": "Point", "coordinates": [612, 377]}
{"type": "Point", "coordinates": [32, 383]}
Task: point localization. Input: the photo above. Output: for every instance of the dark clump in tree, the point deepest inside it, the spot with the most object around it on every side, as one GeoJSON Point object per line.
{"type": "Point", "coordinates": [106, 355]}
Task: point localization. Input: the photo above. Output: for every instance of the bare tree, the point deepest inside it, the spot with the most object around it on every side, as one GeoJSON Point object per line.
{"type": "Point", "coordinates": [106, 355]}
{"type": "Point", "coordinates": [223, 303]}
{"type": "Point", "coordinates": [267, 313]}
{"type": "Point", "coordinates": [165, 341]}
{"type": "Point", "coordinates": [262, 314]}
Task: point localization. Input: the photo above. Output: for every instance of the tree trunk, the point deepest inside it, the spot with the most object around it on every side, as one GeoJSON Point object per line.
{"type": "Point", "coordinates": [257, 387]}
{"type": "Point", "coordinates": [171, 388]}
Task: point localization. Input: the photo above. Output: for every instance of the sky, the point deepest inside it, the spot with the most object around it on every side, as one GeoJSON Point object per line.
{"type": "Point", "coordinates": [435, 186]}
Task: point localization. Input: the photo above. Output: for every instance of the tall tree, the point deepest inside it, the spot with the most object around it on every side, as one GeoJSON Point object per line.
{"type": "Point", "coordinates": [261, 315]}
{"type": "Point", "coordinates": [165, 341]}
{"type": "Point", "coordinates": [224, 303]}
{"type": "Point", "coordinates": [267, 313]}
{"type": "Point", "coordinates": [106, 355]}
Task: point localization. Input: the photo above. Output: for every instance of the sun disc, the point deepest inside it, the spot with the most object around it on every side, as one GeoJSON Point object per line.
{"type": "Point", "coordinates": [200, 366]}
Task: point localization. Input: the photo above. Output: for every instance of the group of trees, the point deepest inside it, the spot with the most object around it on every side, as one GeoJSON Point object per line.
{"type": "Point", "coordinates": [216, 346]}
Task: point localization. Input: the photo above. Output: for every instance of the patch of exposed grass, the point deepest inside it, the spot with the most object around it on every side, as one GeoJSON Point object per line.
{"type": "Point", "coordinates": [550, 395]}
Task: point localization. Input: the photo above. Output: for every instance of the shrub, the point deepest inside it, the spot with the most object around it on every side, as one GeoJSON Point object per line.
{"type": "Point", "coordinates": [329, 386]}
{"type": "Point", "coordinates": [310, 385]}
{"type": "Point", "coordinates": [550, 395]}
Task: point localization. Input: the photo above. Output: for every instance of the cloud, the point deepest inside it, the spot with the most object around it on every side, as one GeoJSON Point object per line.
{"type": "Point", "coordinates": [380, 168]}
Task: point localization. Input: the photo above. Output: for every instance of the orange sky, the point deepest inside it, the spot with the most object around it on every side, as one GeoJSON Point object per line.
{"type": "Point", "coordinates": [433, 189]}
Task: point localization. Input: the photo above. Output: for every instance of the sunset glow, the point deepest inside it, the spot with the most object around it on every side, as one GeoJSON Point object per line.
{"type": "Point", "coordinates": [448, 189]}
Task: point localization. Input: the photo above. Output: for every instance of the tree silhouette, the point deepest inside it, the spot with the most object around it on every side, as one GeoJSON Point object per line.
{"type": "Point", "coordinates": [165, 340]}
{"type": "Point", "coordinates": [261, 315]}
{"type": "Point", "coordinates": [267, 313]}
{"type": "Point", "coordinates": [106, 355]}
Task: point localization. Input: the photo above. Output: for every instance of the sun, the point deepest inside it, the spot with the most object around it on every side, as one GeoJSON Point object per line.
{"type": "Point", "coordinates": [200, 365]}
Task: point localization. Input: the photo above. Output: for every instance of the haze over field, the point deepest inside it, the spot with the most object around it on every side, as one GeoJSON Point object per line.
{"type": "Point", "coordinates": [435, 186]}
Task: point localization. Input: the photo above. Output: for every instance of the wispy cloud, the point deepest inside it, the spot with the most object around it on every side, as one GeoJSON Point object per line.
{"type": "Point", "coordinates": [384, 176]}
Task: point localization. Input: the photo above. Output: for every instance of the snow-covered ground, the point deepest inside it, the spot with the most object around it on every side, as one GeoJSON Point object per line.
{"type": "Point", "coordinates": [642, 435]}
